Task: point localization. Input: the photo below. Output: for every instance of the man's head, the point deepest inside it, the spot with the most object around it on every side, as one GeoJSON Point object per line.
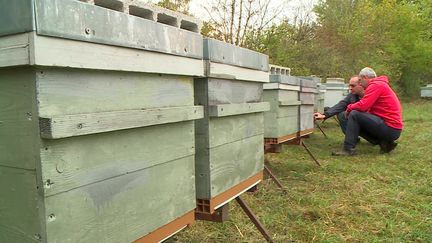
{"type": "Point", "coordinates": [366, 74]}
{"type": "Point", "coordinates": [355, 87]}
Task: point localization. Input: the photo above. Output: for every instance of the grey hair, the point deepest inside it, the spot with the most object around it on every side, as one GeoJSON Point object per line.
{"type": "Point", "coordinates": [367, 72]}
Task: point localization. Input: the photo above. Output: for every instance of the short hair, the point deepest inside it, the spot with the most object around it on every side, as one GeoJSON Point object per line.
{"type": "Point", "coordinates": [367, 72]}
{"type": "Point", "coordinates": [356, 76]}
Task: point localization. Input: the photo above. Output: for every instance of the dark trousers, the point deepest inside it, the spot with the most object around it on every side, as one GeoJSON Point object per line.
{"type": "Point", "coordinates": [343, 121]}
{"type": "Point", "coordinates": [370, 127]}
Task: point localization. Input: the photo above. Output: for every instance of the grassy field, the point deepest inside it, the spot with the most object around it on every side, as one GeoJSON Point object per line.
{"type": "Point", "coordinates": [367, 198]}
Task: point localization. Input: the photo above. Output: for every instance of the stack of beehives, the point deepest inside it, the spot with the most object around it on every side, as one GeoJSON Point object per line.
{"type": "Point", "coordinates": [336, 90]}
{"type": "Point", "coordinates": [97, 137]}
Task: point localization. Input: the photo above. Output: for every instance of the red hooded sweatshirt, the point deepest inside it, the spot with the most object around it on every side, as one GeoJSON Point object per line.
{"type": "Point", "coordinates": [380, 100]}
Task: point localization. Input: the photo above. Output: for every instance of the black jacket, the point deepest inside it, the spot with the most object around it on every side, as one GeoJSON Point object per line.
{"type": "Point", "coordinates": [341, 105]}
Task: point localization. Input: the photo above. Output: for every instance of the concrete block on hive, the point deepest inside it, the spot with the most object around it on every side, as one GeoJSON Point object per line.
{"type": "Point", "coordinates": [279, 70]}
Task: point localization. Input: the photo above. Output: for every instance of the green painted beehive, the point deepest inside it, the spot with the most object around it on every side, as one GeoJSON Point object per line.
{"type": "Point", "coordinates": [97, 113]}
{"type": "Point", "coordinates": [426, 92]}
{"type": "Point", "coordinates": [320, 98]}
{"type": "Point", "coordinates": [282, 121]}
{"type": "Point", "coordinates": [307, 98]}
{"type": "Point", "coordinates": [229, 140]}
{"type": "Point", "coordinates": [336, 90]}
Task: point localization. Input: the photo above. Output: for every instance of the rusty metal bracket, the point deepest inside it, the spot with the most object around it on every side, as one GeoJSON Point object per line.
{"type": "Point", "coordinates": [309, 152]}
{"type": "Point", "coordinates": [320, 128]}
{"type": "Point", "coordinates": [254, 219]}
{"type": "Point", "coordinates": [268, 171]}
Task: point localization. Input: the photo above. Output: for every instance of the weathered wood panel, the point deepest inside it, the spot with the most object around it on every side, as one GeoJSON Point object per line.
{"type": "Point", "coordinates": [16, 16]}
{"type": "Point", "coordinates": [76, 91]}
{"type": "Point", "coordinates": [234, 162]}
{"type": "Point", "coordinates": [237, 109]}
{"type": "Point", "coordinates": [224, 71]}
{"type": "Point", "coordinates": [78, 54]}
{"type": "Point", "coordinates": [306, 117]}
{"type": "Point", "coordinates": [82, 124]}
{"type": "Point", "coordinates": [19, 201]}
{"type": "Point", "coordinates": [123, 208]}
{"type": "Point", "coordinates": [307, 98]}
{"type": "Point", "coordinates": [277, 127]}
{"type": "Point", "coordinates": [225, 130]}
{"type": "Point", "coordinates": [14, 50]}
{"type": "Point", "coordinates": [78, 161]}
{"type": "Point", "coordinates": [220, 91]}
{"type": "Point", "coordinates": [222, 52]}
{"type": "Point", "coordinates": [18, 118]}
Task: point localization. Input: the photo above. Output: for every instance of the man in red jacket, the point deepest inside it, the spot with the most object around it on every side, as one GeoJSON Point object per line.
{"type": "Point", "coordinates": [376, 117]}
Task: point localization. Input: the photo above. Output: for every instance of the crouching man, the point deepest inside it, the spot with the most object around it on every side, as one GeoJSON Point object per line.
{"type": "Point", "coordinates": [377, 117]}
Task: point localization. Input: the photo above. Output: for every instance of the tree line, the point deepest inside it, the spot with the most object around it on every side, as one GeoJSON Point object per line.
{"type": "Point", "coordinates": [392, 36]}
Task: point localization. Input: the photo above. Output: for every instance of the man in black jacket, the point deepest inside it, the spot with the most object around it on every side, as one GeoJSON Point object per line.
{"type": "Point", "coordinates": [356, 93]}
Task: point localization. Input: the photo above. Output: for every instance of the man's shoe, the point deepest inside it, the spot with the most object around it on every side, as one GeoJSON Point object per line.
{"type": "Point", "coordinates": [345, 152]}
{"type": "Point", "coordinates": [387, 147]}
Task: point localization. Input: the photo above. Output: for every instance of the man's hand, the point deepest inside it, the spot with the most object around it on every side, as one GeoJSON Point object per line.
{"type": "Point", "coordinates": [319, 116]}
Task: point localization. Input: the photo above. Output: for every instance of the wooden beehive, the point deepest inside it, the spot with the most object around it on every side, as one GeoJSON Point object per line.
{"type": "Point", "coordinates": [229, 140]}
{"type": "Point", "coordinates": [426, 92]}
{"type": "Point", "coordinates": [97, 113]}
{"type": "Point", "coordinates": [336, 90]}
{"type": "Point", "coordinates": [282, 121]}
{"type": "Point", "coordinates": [307, 97]}
{"type": "Point", "coordinates": [320, 98]}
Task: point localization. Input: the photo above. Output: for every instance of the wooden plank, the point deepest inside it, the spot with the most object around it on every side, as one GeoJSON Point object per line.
{"type": "Point", "coordinates": [82, 124]}
{"type": "Point", "coordinates": [77, 161]}
{"type": "Point", "coordinates": [222, 52]}
{"type": "Point", "coordinates": [78, 54]}
{"type": "Point", "coordinates": [237, 109]}
{"type": "Point", "coordinates": [235, 162]}
{"type": "Point", "coordinates": [220, 91]}
{"type": "Point", "coordinates": [169, 229]}
{"type": "Point", "coordinates": [123, 208]}
{"type": "Point", "coordinates": [64, 91]}
{"type": "Point", "coordinates": [224, 71]}
{"type": "Point", "coordinates": [223, 130]}
{"type": "Point", "coordinates": [19, 135]}
{"type": "Point", "coordinates": [289, 103]}
{"type": "Point", "coordinates": [20, 221]}
{"type": "Point", "coordinates": [281, 86]}
{"type": "Point", "coordinates": [306, 117]}
{"type": "Point", "coordinates": [14, 50]}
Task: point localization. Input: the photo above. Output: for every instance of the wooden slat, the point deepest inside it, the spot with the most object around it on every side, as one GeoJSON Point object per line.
{"type": "Point", "coordinates": [281, 86]}
{"type": "Point", "coordinates": [78, 161]}
{"type": "Point", "coordinates": [81, 124]}
{"type": "Point", "coordinates": [289, 103]}
{"type": "Point", "coordinates": [78, 54]}
{"type": "Point", "coordinates": [234, 162]}
{"type": "Point", "coordinates": [18, 118]}
{"type": "Point", "coordinates": [14, 50]}
{"type": "Point", "coordinates": [237, 109]}
{"type": "Point", "coordinates": [224, 71]}
{"type": "Point", "coordinates": [123, 208]}
{"type": "Point", "coordinates": [19, 206]}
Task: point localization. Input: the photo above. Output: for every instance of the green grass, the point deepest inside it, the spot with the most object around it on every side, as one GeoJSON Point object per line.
{"type": "Point", "coordinates": [367, 198]}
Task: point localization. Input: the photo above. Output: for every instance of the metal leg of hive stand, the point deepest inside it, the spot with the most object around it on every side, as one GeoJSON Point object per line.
{"type": "Point", "coordinates": [309, 152]}
{"type": "Point", "coordinates": [272, 176]}
{"type": "Point", "coordinates": [254, 219]}
{"type": "Point", "coordinates": [322, 131]}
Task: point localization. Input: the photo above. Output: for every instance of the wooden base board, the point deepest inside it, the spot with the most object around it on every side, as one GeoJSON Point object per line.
{"type": "Point", "coordinates": [206, 206]}
{"type": "Point", "coordinates": [280, 139]}
{"type": "Point", "coordinates": [169, 229]}
{"type": "Point", "coordinates": [306, 132]}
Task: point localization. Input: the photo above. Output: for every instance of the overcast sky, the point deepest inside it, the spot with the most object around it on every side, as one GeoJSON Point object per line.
{"type": "Point", "coordinates": [291, 7]}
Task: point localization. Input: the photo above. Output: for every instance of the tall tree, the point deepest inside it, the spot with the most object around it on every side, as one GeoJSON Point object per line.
{"type": "Point", "coordinates": [176, 5]}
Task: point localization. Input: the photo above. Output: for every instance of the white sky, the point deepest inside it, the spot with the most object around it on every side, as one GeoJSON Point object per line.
{"type": "Point", "coordinates": [292, 7]}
